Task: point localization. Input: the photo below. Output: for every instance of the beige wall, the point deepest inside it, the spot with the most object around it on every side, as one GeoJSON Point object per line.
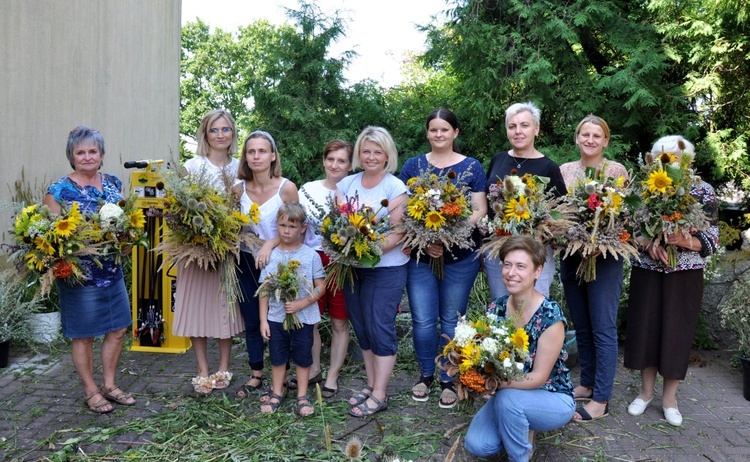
{"type": "Point", "coordinates": [110, 64]}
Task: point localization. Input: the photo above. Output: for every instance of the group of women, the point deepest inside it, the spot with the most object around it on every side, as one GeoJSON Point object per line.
{"type": "Point", "coordinates": [660, 322]}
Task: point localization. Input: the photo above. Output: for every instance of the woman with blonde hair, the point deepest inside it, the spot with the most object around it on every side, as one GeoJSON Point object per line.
{"type": "Point", "coordinates": [372, 301]}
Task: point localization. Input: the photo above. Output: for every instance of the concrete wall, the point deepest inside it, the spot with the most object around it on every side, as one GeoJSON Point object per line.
{"type": "Point", "coordinates": [110, 64]}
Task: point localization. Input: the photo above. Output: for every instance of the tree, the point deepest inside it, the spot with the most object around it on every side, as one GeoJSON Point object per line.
{"type": "Point", "coordinates": [709, 41]}
{"type": "Point", "coordinates": [571, 58]}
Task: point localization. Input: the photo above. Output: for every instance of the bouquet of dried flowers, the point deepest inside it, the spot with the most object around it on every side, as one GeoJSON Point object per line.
{"type": "Point", "coordinates": [521, 206]}
{"type": "Point", "coordinates": [353, 234]}
{"type": "Point", "coordinates": [485, 351]}
{"type": "Point", "coordinates": [51, 246]}
{"type": "Point", "coordinates": [205, 228]}
{"type": "Point", "coordinates": [601, 220]}
{"type": "Point", "coordinates": [284, 286]}
{"type": "Point", "coordinates": [121, 225]}
{"type": "Point", "coordinates": [666, 206]}
{"type": "Point", "coordinates": [437, 211]}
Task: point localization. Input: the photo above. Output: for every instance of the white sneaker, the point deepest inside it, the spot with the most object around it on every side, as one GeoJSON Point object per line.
{"type": "Point", "coordinates": [673, 416]}
{"type": "Point", "coordinates": [638, 406]}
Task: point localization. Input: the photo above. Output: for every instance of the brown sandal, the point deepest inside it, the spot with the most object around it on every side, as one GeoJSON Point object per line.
{"type": "Point", "coordinates": [121, 398]}
{"type": "Point", "coordinates": [97, 406]}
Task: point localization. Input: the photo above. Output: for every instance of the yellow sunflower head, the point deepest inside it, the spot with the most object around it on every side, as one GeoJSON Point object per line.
{"type": "Point", "coordinates": [434, 220]}
{"type": "Point", "coordinates": [658, 180]}
{"type": "Point", "coordinates": [416, 209]}
{"type": "Point", "coordinates": [137, 219]}
{"type": "Point", "coordinates": [65, 227]}
{"type": "Point", "coordinates": [520, 339]}
{"type": "Point", "coordinates": [517, 209]}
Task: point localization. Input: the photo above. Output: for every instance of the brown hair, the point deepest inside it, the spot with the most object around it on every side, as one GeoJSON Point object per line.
{"type": "Point", "coordinates": [244, 172]}
{"type": "Point", "coordinates": [335, 145]}
{"type": "Point", "coordinates": [531, 246]}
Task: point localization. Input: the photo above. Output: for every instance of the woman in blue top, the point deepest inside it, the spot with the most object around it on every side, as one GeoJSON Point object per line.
{"type": "Point", "coordinates": [543, 401]}
{"type": "Point", "coordinates": [100, 305]}
{"type": "Point", "coordinates": [433, 300]}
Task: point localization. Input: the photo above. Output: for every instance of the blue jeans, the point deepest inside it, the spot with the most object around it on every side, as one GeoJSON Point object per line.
{"type": "Point", "coordinates": [593, 309]}
{"type": "Point", "coordinates": [504, 422]}
{"type": "Point", "coordinates": [494, 269]}
{"type": "Point", "coordinates": [249, 276]}
{"type": "Point", "coordinates": [435, 306]}
{"type": "Point", "coordinates": [372, 306]}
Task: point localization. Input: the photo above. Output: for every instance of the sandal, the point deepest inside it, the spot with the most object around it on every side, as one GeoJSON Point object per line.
{"type": "Point", "coordinates": [99, 407]}
{"type": "Point", "coordinates": [266, 394]}
{"type": "Point", "coordinates": [273, 403]}
{"type": "Point", "coordinates": [303, 402]}
{"type": "Point", "coordinates": [221, 379]}
{"type": "Point", "coordinates": [328, 393]}
{"type": "Point", "coordinates": [360, 397]}
{"type": "Point", "coordinates": [448, 396]}
{"type": "Point", "coordinates": [365, 410]}
{"type": "Point", "coordinates": [292, 382]}
{"type": "Point", "coordinates": [202, 385]}
{"type": "Point", "coordinates": [421, 391]}
{"type": "Point", "coordinates": [247, 389]}
{"type": "Point", "coordinates": [122, 398]}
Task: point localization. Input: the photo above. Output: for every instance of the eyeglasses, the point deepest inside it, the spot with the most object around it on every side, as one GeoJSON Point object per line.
{"type": "Point", "coordinates": [224, 130]}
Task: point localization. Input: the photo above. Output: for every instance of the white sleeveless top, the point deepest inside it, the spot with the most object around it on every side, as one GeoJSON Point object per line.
{"type": "Point", "coordinates": [266, 227]}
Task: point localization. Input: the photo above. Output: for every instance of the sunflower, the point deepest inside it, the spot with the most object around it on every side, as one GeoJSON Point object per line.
{"type": "Point", "coordinates": [64, 227]}
{"type": "Point", "coordinates": [434, 220]}
{"type": "Point", "coordinates": [520, 339]}
{"type": "Point", "coordinates": [416, 209]}
{"type": "Point", "coordinates": [658, 180]}
{"type": "Point", "coordinates": [254, 213]}
{"type": "Point", "coordinates": [43, 246]}
{"type": "Point", "coordinates": [356, 219]}
{"type": "Point", "coordinates": [517, 209]}
{"type": "Point", "coordinates": [137, 220]}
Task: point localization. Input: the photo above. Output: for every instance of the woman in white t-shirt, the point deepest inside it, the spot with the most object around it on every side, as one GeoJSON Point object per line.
{"type": "Point", "coordinates": [199, 313]}
{"type": "Point", "coordinates": [372, 300]}
{"type": "Point", "coordinates": [337, 161]}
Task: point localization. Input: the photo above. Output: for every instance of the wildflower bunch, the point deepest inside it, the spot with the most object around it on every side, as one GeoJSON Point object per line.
{"type": "Point", "coordinates": [485, 351]}
{"type": "Point", "coordinates": [50, 246]}
{"type": "Point", "coordinates": [121, 225]}
{"type": "Point", "coordinates": [521, 206]}
{"type": "Point", "coordinates": [205, 227]}
{"type": "Point", "coordinates": [284, 286]}
{"type": "Point", "coordinates": [666, 206]}
{"type": "Point", "coordinates": [601, 220]}
{"type": "Point", "coordinates": [353, 234]}
{"type": "Point", "coordinates": [437, 211]}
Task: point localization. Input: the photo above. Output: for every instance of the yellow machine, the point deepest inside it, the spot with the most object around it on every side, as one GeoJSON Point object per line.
{"type": "Point", "coordinates": [154, 283]}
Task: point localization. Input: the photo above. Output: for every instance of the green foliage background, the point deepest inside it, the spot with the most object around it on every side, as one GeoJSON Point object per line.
{"type": "Point", "coordinates": [648, 68]}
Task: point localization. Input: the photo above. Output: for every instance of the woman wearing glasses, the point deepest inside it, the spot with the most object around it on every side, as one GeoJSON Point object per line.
{"type": "Point", "coordinates": [199, 312]}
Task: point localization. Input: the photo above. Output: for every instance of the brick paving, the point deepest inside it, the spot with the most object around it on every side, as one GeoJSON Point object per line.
{"type": "Point", "coordinates": [41, 396]}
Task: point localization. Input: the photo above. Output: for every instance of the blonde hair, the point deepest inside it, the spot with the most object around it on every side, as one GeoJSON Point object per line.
{"type": "Point", "coordinates": [593, 120]}
{"type": "Point", "coordinates": [202, 135]}
{"type": "Point", "coordinates": [382, 138]}
{"type": "Point", "coordinates": [674, 144]}
{"type": "Point", "coordinates": [536, 114]}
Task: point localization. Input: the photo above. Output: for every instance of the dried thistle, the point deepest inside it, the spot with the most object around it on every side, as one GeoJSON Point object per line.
{"type": "Point", "coordinates": [353, 448]}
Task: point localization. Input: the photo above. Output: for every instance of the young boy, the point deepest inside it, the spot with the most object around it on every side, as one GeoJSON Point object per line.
{"type": "Point", "coordinates": [297, 343]}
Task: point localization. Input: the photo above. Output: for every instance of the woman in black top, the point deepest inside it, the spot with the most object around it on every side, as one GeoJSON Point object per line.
{"type": "Point", "coordinates": [522, 127]}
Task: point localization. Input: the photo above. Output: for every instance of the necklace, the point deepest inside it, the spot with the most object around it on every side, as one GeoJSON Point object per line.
{"type": "Point", "coordinates": [518, 164]}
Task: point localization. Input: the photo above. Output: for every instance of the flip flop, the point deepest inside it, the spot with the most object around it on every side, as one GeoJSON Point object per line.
{"type": "Point", "coordinates": [586, 417]}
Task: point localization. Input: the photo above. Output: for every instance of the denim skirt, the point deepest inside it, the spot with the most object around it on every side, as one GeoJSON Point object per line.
{"type": "Point", "coordinates": [90, 311]}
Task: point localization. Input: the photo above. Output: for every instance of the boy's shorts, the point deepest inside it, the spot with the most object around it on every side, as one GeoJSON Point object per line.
{"type": "Point", "coordinates": [295, 343]}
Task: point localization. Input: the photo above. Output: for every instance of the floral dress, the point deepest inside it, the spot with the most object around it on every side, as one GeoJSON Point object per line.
{"type": "Point", "coordinates": [548, 313]}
